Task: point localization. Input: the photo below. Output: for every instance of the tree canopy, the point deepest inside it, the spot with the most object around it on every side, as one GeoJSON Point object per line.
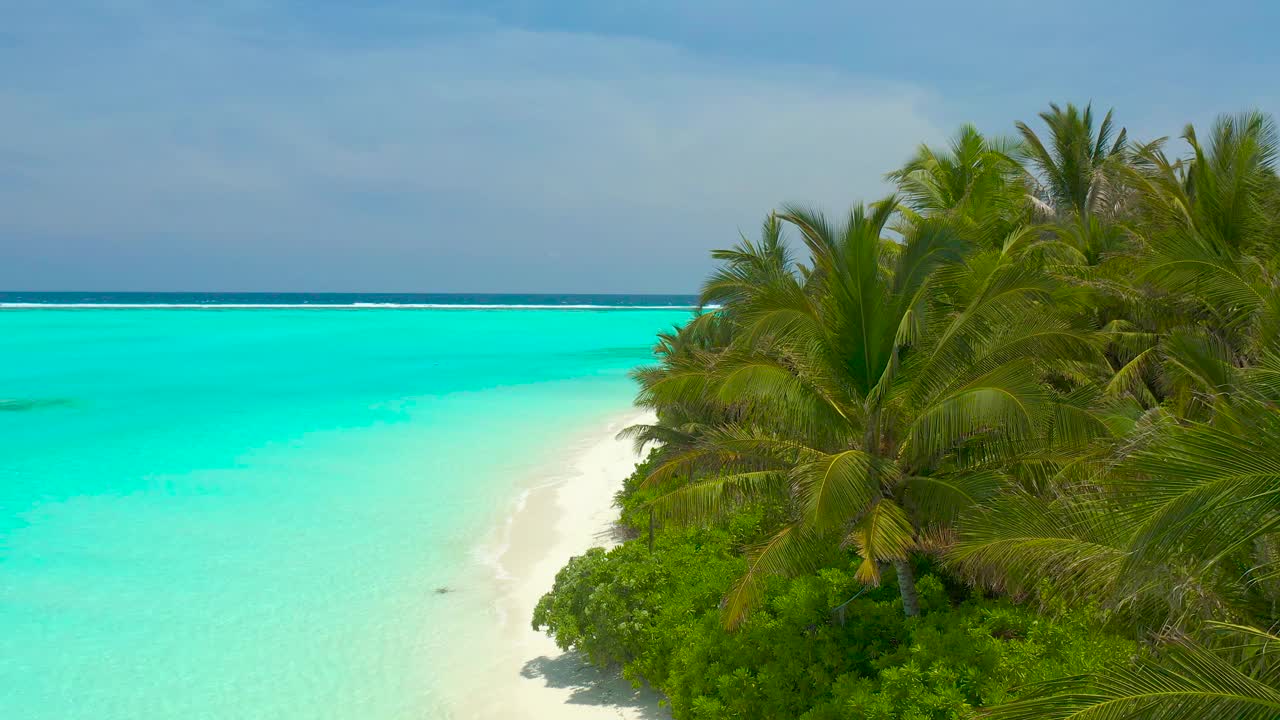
{"type": "Point", "coordinates": [1049, 364]}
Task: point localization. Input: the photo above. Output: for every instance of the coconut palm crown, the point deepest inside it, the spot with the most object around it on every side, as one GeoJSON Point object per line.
{"type": "Point", "coordinates": [866, 389]}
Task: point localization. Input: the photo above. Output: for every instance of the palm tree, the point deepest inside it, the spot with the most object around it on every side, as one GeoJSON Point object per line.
{"type": "Point", "coordinates": [1211, 226]}
{"type": "Point", "coordinates": [1087, 408]}
{"type": "Point", "coordinates": [1078, 167]}
{"type": "Point", "coordinates": [1177, 531]}
{"type": "Point", "coordinates": [975, 181]}
{"type": "Point", "coordinates": [1184, 539]}
{"type": "Point", "coordinates": [871, 391]}
{"type": "Point", "coordinates": [1164, 536]}
{"type": "Point", "coordinates": [686, 349]}
{"type": "Point", "coordinates": [1175, 522]}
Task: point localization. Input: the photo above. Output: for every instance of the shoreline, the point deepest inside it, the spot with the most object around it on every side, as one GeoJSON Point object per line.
{"type": "Point", "coordinates": [564, 515]}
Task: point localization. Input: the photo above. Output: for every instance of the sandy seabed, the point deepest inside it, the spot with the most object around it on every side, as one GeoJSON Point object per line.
{"type": "Point", "coordinates": [524, 675]}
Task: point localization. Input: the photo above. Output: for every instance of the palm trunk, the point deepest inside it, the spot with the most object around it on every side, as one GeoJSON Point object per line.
{"type": "Point", "coordinates": [906, 577]}
{"type": "Point", "coordinates": [907, 587]}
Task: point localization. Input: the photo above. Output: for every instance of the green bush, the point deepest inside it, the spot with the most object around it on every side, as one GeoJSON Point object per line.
{"type": "Point", "coordinates": [822, 646]}
{"type": "Point", "coordinates": [656, 615]}
{"type": "Point", "coordinates": [627, 606]}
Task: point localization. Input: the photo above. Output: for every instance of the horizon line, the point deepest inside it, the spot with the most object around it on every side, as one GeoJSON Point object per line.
{"type": "Point", "coordinates": [340, 292]}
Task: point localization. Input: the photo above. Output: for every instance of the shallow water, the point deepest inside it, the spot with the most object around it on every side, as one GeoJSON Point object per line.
{"type": "Point", "coordinates": [248, 513]}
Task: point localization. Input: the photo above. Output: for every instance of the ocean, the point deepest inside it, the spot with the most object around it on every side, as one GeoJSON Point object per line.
{"type": "Point", "coordinates": [347, 300]}
{"type": "Point", "coordinates": [210, 510]}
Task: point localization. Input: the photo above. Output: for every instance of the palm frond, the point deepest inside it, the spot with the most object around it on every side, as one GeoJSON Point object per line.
{"type": "Point", "coordinates": [1190, 683]}
{"type": "Point", "coordinates": [882, 534]}
{"type": "Point", "coordinates": [789, 552]}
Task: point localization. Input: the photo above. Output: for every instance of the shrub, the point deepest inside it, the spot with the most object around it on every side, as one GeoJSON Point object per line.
{"type": "Point", "coordinates": [656, 615]}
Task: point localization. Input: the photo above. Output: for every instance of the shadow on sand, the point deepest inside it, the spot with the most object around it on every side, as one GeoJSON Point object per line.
{"type": "Point", "coordinates": [592, 686]}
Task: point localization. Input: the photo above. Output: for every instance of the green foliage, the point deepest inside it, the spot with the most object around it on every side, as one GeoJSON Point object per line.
{"type": "Point", "coordinates": [618, 606]}
{"type": "Point", "coordinates": [633, 499]}
{"type": "Point", "coordinates": [1049, 368]}
{"type": "Point", "coordinates": [749, 523]}
{"type": "Point", "coordinates": [820, 647]}
{"type": "Point", "coordinates": [872, 393]}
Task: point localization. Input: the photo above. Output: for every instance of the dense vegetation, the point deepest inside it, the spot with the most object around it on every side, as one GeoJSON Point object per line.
{"type": "Point", "coordinates": [1042, 375]}
{"type": "Point", "coordinates": [821, 646]}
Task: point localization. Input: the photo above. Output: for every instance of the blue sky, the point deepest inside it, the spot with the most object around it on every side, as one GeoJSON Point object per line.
{"type": "Point", "coordinates": [528, 146]}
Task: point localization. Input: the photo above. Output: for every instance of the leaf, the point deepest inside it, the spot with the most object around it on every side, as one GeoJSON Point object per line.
{"type": "Point", "coordinates": [835, 488]}
{"type": "Point", "coordinates": [1192, 683]}
{"type": "Point", "coordinates": [791, 551]}
{"type": "Point", "coordinates": [884, 533]}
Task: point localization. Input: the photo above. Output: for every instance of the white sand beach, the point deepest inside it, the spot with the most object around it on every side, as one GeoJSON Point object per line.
{"type": "Point", "coordinates": [567, 512]}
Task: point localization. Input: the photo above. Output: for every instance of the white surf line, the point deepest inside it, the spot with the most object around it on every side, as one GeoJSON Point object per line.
{"type": "Point", "coordinates": [319, 306]}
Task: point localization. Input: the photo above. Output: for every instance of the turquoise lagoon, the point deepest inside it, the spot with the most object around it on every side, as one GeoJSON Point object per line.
{"type": "Point", "coordinates": [246, 513]}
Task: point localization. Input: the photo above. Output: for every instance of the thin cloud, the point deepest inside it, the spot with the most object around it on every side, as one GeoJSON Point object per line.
{"type": "Point", "coordinates": [553, 160]}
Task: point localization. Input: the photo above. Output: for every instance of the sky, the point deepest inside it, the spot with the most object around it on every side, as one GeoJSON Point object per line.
{"type": "Point", "coordinates": [566, 146]}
